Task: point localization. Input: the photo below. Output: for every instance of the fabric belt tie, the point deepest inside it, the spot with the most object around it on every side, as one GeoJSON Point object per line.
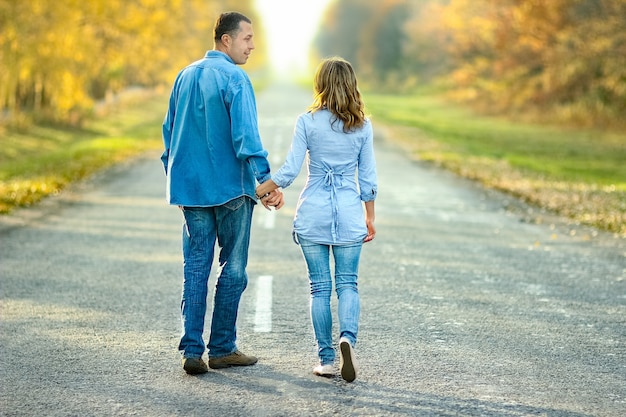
{"type": "Point", "coordinates": [330, 181]}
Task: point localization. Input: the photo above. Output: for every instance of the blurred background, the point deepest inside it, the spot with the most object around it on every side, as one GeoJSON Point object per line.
{"type": "Point", "coordinates": [562, 59]}
{"type": "Point", "coordinates": [525, 96]}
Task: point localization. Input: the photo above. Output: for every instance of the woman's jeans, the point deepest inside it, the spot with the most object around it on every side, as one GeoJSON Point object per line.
{"type": "Point", "coordinates": [229, 224]}
{"type": "Point", "coordinates": [346, 258]}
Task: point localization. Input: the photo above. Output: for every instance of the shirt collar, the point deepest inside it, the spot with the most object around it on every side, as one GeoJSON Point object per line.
{"type": "Point", "coordinates": [218, 54]}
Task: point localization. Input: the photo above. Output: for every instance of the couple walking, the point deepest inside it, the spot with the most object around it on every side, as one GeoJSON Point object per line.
{"type": "Point", "coordinates": [213, 160]}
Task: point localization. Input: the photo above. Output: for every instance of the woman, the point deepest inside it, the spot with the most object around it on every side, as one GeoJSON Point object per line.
{"type": "Point", "coordinates": [338, 139]}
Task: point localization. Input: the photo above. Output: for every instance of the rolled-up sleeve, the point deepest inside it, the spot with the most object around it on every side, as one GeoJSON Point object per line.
{"type": "Point", "coordinates": [245, 131]}
{"type": "Point", "coordinates": [168, 123]}
{"type": "Point", "coordinates": [368, 180]}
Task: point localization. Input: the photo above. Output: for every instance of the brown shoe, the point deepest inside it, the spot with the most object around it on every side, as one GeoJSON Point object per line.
{"type": "Point", "coordinates": [234, 359]}
{"type": "Point", "coordinates": [194, 366]}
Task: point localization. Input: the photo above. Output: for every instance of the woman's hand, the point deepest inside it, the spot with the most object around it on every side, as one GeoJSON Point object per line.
{"type": "Point", "coordinates": [369, 221]}
{"type": "Point", "coordinates": [371, 231]}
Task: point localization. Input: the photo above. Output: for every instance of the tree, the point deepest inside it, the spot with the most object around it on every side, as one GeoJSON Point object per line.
{"type": "Point", "coordinates": [386, 37]}
{"type": "Point", "coordinates": [342, 30]}
{"type": "Point", "coordinates": [60, 56]}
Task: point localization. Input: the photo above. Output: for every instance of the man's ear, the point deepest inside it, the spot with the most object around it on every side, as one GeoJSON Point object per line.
{"type": "Point", "coordinates": [226, 39]}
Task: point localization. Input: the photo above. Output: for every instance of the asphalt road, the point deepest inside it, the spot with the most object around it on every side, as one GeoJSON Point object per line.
{"type": "Point", "coordinates": [472, 304]}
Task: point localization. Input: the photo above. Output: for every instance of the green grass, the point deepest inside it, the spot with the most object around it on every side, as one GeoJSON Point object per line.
{"type": "Point", "coordinates": [575, 172]}
{"type": "Point", "coordinates": [562, 154]}
{"type": "Point", "coordinates": [44, 159]}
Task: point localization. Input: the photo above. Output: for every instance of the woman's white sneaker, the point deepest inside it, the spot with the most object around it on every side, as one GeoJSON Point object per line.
{"type": "Point", "coordinates": [347, 362]}
{"type": "Point", "coordinates": [324, 370]}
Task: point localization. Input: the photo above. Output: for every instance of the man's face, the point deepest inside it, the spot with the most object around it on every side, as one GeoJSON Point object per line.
{"type": "Point", "coordinates": [241, 46]}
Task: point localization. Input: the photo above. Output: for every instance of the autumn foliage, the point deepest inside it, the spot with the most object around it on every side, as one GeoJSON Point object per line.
{"type": "Point", "coordinates": [60, 57]}
{"type": "Point", "coordinates": [558, 59]}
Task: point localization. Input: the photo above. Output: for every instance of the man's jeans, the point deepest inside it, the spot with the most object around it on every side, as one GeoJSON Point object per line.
{"type": "Point", "coordinates": [317, 258]}
{"type": "Point", "coordinates": [230, 225]}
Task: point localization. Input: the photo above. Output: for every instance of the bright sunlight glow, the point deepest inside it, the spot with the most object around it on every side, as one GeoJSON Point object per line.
{"type": "Point", "coordinates": [290, 26]}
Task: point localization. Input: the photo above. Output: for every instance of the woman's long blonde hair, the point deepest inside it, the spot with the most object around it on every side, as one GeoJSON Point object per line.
{"type": "Point", "coordinates": [335, 88]}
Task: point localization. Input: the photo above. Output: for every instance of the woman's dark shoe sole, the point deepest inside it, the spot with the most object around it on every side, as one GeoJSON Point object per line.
{"type": "Point", "coordinates": [347, 363]}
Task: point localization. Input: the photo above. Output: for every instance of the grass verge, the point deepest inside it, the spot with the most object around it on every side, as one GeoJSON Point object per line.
{"type": "Point", "coordinates": [580, 174]}
{"type": "Point", "coordinates": [42, 160]}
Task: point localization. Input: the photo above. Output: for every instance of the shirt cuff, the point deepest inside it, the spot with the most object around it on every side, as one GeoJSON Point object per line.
{"type": "Point", "coordinates": [369, 196]}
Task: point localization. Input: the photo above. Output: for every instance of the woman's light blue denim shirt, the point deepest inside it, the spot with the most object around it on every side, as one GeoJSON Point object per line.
{"type": "Point", "coordinates": [213, 150]}
{"type": "Point", "coordinates": [341, 175]}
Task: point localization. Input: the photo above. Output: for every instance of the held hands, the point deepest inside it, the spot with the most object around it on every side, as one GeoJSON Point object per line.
{"type": "Point", "coordinates": [273, 199]}
{"type": "Point", "coordinates": [270, 195]}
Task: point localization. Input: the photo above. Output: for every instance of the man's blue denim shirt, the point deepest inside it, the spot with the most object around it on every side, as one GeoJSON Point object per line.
{"type": "Point", "coordinates": [213, 150]}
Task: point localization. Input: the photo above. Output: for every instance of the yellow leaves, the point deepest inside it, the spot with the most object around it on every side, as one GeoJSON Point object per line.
{"type": "Point", "coordinates": [538, 53]}
{"type": "Point", "coordinates": [24, 192]}
{"type": "Point", "coordinates": [71, 94]}
{"type": "Point", "coordinates": [66, 54]}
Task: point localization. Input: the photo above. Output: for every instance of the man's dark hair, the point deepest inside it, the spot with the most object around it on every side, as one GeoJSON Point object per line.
{"type": "Point", "coordinates": [228, 23]}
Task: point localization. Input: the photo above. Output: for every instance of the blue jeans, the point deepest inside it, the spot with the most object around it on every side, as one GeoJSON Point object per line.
{"type": "Point", "coordinates": [229, 224]}
{"type": "Point", "coordinates": [317, 259]}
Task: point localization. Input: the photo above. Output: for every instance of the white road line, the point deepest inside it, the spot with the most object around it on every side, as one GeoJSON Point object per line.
{"type": "Point", "coordinates": [263, 315]}
{"type": "Point", "coordinates": [269, 220]}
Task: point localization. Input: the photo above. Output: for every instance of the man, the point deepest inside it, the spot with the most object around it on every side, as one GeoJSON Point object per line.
{"type": "Point", "coordinates": [213, 154]}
